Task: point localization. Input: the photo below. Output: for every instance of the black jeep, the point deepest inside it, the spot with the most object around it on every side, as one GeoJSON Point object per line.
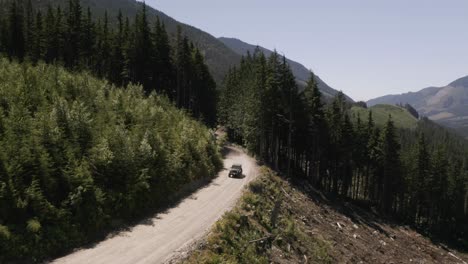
{"type": "Point", "coordinates": [235, 171]}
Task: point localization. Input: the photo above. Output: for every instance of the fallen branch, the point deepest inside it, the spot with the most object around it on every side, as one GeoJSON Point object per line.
{"type": "Point", "coordinates": [453, 255]}
{"type": "Point", "coordinates": [260, 239]}
{"type": "Point", "coordinates": [287, 195]}
{"type": "Point", "coordinates": [285, 191]}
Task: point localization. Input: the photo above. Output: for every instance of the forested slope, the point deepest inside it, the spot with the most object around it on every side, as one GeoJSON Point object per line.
{"type": "Point", "coordinates": [418, 175]}
{"type": "Point", "coordinates": [380, 113]}
{"type": "Point", "coordinates": [134, 49]}
{"type": "Point", "coordinates": [219, 57]}
{"type": "Point", "coordinates": [446, 105]}
{"type": "Point", "coordinates": [79, 156]}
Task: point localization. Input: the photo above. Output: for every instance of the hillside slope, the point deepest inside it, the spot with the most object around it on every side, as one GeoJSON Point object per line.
{"type": "Point", "coordinates": [301, 73]}
{"type": "Point", "coordinates": [80, 157]}
{"type": "Point", "coordinates": [218, 57]}
{"type": "Point", "coordinates": [277, 222]}
{"type": "Point", "coordinates": [446, 105]}
{"type": "Point", "coordinates": [381, 112]}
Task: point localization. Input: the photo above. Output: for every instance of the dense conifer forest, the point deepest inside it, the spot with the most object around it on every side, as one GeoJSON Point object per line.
{"type": "Point", "coordinates": [419, 176]}
{"type": "Point", "coordinates": [130, 51]}
{"type": "Point", "coordinates": [79, 154]}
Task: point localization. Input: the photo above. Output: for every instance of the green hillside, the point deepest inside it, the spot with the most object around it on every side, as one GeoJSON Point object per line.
{"type": "Point", "coordinates": [446, 105]}
{"type": "Point", "coordinates": [79, 156]}
{"type": "Point", "coordinates": [218, 57]}
{"type": "Point", "coordinates": [400, 116]}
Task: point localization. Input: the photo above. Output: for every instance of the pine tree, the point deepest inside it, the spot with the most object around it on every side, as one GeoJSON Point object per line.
{"type": "Point", "coordinates": [204, 91]}
{"type": "Point", "coordinates": [60, 36]}
{"type": "Point", "coordinates": [4, 35]}
{"type": "Point", "coordinates": [391, 175]}
{"type": "Point", "coordinates": [51, 50]}
{"type": "Point", "coordinates": [163, 70]}
{"type": "Point", "coordinates": [261, 103]}
{"type": "Point", "coordinates": [360, 154]}
{"type": "Point", "coordinates": [346, 149]}
{"type": "Point", "coordinates": [128, 54]}
{"type": "Point", "coordinates": [73, 42]}
{"type": "Point", "coordinates": [183, 67]}
{"type": "Point", "coordinates": [272, 108]}
{"type": "Point", "coordinates": [423, 178]}
{"type": "Point", "coordinates": [316, 131]}
{"type": "Point", "coordinates": [335, 115]}
{"type": "Point", "coordinates": [439, 189]}
{"type": "Point", "coordinates": [370, 157]}
{"type": "Point", "coordinates": [38, 50]}
{"type": "Point", "coordinates": [88, 51]}
{"type": "Point", "coordinates": [30, 30]}
{"type": "Point", "coordinates": [16, 45]}
{"type": "Point", "coordinates": [103, 66]}
{"type": "Point", "coordinates": [117, 55]}
{"type": "Point", "coordinates": [144, 52]}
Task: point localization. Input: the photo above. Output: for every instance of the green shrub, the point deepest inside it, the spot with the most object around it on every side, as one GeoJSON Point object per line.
{"type": "Point", "coordinates": [4, 233]}
{"type": "Point", "coordinates": [33, 226]}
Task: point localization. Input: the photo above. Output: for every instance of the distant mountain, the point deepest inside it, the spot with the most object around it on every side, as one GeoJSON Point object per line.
{"type": "Point", "coordinates": [301, 73]}
{"type": "Point", "coordinates": [218, 57]}
{"type": "Point", "coordinates": [446, 105]}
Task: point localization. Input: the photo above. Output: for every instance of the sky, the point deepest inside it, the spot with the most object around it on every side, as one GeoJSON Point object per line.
{"type": "Point", "coordinates": [366, 48]}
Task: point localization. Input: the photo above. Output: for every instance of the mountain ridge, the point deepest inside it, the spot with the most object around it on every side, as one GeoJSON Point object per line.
{"type": "Point", "coordinates": [218, 57]}
{"type": "Point", "coordinates": [301, 73]}
{"type": "Point", "coordinates": [463, 81]}
{"type": "Point", "coordinates": [447, 105]}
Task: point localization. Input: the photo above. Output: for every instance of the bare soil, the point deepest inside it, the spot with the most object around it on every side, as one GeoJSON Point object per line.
{"type": "Point", "coordinates": [356, 235]}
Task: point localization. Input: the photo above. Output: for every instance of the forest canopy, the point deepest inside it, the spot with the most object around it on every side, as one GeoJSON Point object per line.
{"type": "Point", "coordinates": [131, 50]}
{"type": "Point", "coordinates": [78, 155]}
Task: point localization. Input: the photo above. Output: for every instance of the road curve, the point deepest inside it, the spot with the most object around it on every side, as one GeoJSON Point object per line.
{"type": "Point", "coordinates": [169, 234]}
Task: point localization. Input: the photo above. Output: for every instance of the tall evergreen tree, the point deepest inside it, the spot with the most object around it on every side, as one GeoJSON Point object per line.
{"type": "Point", "coordinates": [51, 50]}
{"type": "Point", "coordinates": [183, 67]}
{"type": "Point", "coordinates": [316, 131]}
{"type": "Point", "coordinates": [163, 66]}
{"type": "Point", "coordinates": [4, 35]}
{"type": "Point", "coordinates": [118, 57]}
{"type": "Point", "coordinates": [73, 42]}
{"type": "Point", "coordinates": [16, 45]}
{"type": "Point", "coordinates": [144, 51]}
{"type": "Point", "coordinates": [38, 50]}
{"type": "Point", "coordinates": [391, 174]}
{"type": "Point", "coordinates": [30, 30]}
{"type": "Point", "coordinates": [88, 41]}
{"type": "Point", "coordinates": [422, 179]}
{"type": "Point", "coordinates": [204, 91]}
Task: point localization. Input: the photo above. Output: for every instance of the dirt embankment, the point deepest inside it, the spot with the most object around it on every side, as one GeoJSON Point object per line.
{"type": "Point", "coordinates": [312, 229]}
{"type": "Point", "coordinates": [359, 236]}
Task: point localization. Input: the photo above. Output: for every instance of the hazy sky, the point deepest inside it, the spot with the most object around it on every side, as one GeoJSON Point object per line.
{"type": "Point", "coordinates": [366, 48]}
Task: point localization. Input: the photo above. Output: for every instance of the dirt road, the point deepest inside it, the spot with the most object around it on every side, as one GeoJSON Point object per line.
{"type": "Point", "coordinates": [171, 233]}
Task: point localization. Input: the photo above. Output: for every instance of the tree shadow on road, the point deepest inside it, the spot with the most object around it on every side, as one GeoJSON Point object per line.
{"type": "Point", "coordinates": [119, 227]}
